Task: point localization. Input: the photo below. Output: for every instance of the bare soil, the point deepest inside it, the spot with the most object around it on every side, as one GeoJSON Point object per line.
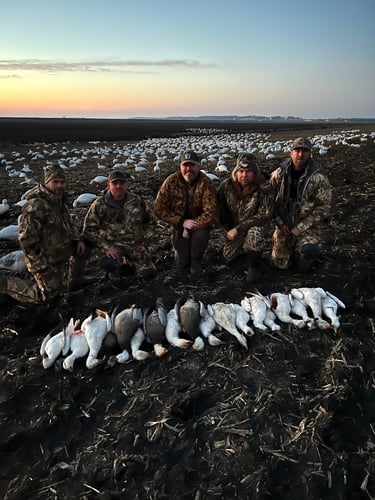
{"type": "Point", "coordinates": [292, 417]}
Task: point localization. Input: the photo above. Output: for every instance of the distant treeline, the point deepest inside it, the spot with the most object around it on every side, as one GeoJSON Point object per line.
{"type": "Point", "coordinates": [30, 130]}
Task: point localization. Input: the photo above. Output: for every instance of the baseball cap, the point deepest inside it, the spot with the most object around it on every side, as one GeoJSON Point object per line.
{"type": "Point", "coordinates": [301, 142]}
{"type": "Point", "coordinates": [118, 175]}
{"type": "Point", "coordinates": [246, 160]}
{"type": "Point", "coordinates": [189, 157]}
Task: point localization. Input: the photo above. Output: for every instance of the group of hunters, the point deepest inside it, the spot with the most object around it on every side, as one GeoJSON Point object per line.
{"type": "Point", "coordinates": [295, 199]}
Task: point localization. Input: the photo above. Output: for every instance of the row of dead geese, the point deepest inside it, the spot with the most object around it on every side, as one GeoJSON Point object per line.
{"type": "Point", "coordinates": [128, 329]}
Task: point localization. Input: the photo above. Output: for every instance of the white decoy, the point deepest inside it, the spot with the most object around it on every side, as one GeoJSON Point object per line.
{"type": "Point", "coordinates": [173, 330]}
{"type": "Point", "coordinates": [84, 199]}
{"type": "Point", "coordinates": [14, 262]}
{"type": "Point", "coordinates": [99, 179]}
{"type": "Point", "coordinates": [9, 233]}
{"type": "Point", "coordinates": [312, 297]}
{"type": "Point", "coordinates": [79, 348]}
{"type": "Point", "coordinates": [225, 316]}
{"type": "Point", "coordinates": [52, 347]}
{"type": "Point", "coordinates": [282, 307]}
{"type": "Point", "coordinates": [330, 305]}
{"type": "Point", "coordinates": [154, 323]}
{"type": "Point", "coordinates": [4, 207]}
{"type": "Point", "coordinates": [95, 328]}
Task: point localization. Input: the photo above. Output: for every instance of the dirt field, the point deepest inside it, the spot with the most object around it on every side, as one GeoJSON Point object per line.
{"type": "Point", "coordinates": [291, 418]}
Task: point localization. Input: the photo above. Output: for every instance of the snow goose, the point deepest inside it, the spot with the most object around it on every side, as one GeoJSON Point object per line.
{"type": "Point", "coordinates": [330, 305]}
{"type": "Point", "coordinates": [95, 328]}
{"type": "Point", "coordinates": [207, 325]}
{"type": "Point", "coordinates": [125, 325]}
{"type": "Point", "coordinates": [282, 307]}
{"type": "Point", "coordinates": [312, 297]}
{"type": "Point", "coordinates": [79, 347]}
{"type": "Point", "coordinates": [173, 329]}
{"type": "Point", "coordinates": [189, 313]}
{"type": "Point", "coordinates": [225, 315]}
{"type": "Point", "coordinates": [53, 346]}
{"type": "Point", "coordinates": [259, 308]}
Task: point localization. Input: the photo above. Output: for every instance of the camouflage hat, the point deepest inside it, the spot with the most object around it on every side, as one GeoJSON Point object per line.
{"type": "Point", "coordinates": [302, 143]}
{"type": "Point", "coordinates": [53, 172]}
{"type": "Point", "coordinates": [118, 175]}
{"type": "Point", "coordinates": [246, 160]}
{"type": "Point", "coordinates": [189, 157]}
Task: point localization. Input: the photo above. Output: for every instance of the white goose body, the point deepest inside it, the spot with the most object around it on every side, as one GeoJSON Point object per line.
{"type": "Point", "coordinates": [135, 343]}
{"type": "Point", "coordinates": [330, 305]}
{"type": "Point", "coordinates": [84, 199]}
{"type": "Point", "coordinates": [173, 330]}
{"type": "Point", "coordinates": [259, 308]}
{"type": "Point", "coordinates": [79, 348]}
{"type": "Point", "coordinates": [95, 329]}
{"type": "Point", "coordinates": [225, 316]}
{"type": "Point", "coordinates": [52, 347]}
{"type": "Point", "coordinates": [282, 307]}
{"type": "Point", "coordinates": [4, 207]}
{"type": "Point", "coordinates": [312, 297]}
{"type": "Point", "coordinates": [207, 325]}
{"type": "Point", "coordinates": [9, 233]}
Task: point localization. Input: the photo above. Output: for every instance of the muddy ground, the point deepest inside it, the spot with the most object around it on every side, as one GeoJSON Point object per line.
{"type": "Point", "coordinates": [292, 417]}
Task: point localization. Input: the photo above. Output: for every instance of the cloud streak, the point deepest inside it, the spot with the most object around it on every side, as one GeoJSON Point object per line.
{"type": "Point", "coordinates": [97, 66]}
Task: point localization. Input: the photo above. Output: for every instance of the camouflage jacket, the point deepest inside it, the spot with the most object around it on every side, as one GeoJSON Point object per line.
{"type": "Point", "coordinates": [107, 223]}
{"type": "Point", "coordinates": [177, 201]}
{"type": "Point", "coordinates": [243, 209]}
{"type": "Point", "coordinates": [46, 230]}
{"type": "Point", "coordinates": [314, 196]}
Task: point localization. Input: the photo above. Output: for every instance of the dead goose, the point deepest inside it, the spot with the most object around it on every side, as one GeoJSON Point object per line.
{"type": "Point", "coordinates": [95, 328]}
{"type": "Point", "coordinates": [189, 314]}
{"type": "Point", "coordinates": [207, 325]}
{"type": "Point", "coordinates": [154, 323]}
{"type": "Point", "coordinates": [312, 297]}
{"type": "Point", "coordinates": [52, 347]}
{"type": "Point", "coordinates": [79, 347]}
{"type": "Point", "coordinates": [282, 307]}
{"type": "Point", "coordinates": [225, 315]}
{"type": "Point", "coordinates": [330, 305]}
{"type": "Point", "coordinates": [125, 325]}
{"type": "Point", "coordinates": [259, 308]}
{"type": "Point", "coordinates": [173, 330]}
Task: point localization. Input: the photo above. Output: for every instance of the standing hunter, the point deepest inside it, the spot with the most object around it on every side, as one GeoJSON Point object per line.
{"type": "Point", "coordinates": [48, 239]}
{"type": "Point", "coordinates": [303, 197]}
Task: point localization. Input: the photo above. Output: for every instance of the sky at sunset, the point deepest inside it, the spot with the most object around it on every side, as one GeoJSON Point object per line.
{"type": "Point", "coordinates": [157, 58]}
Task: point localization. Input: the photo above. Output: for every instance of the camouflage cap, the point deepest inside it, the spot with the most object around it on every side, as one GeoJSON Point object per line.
{"type": "Point", "coordinates": [53, 172]}
{"type": "Point", "coordinates": [189, 157]}
{"type": "Point", "coordinates": [302, 143]}
{"type": "Point", "coordinates": [246, 160]}
{"type": "Point", "coordinates": [119, 175]}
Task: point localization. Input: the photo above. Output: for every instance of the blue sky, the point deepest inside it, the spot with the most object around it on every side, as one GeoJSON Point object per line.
{"type": "Point", "coordinates": [112, 58]}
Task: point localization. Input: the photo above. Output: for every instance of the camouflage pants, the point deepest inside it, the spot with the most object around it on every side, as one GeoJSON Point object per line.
{"type": "Point", "coordinates": [192, 248]}
{"type": "Point", "coordinates": [253, 240]}
{"type": "Point", "coordinates": [284, 246]}
{"type": "Point", "coordinates": [37, 288]}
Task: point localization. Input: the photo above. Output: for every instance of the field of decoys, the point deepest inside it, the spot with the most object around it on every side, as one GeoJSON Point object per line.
{"type": "Point", "coordinates": [193, 387]}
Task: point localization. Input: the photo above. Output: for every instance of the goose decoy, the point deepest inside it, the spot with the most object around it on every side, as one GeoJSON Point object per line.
{"type": "Point", "coordinates": [53, 346]}
{"type": "Point", "coordinates": [95, 328]}
{"type": "Point", "coordinates": [84, 199]}
{"type": "Point", "coordinates": [312, 297]}
{"type": "Point", "coordinates": [189, 314]}
{"type": "Point", "coordinates": [4, 207]}
{"type": "Point", "coordinates": [225, 315]}
{"type": "Point", "coordinates": [282, 307]}
{"type": "Point", "coordinates": [9, 233]}
{"type": "Point", "coordinates": [330, 305]}
{"type": "Point", "coordinates": [154, 323]}
{"type": "Point", "coordinates": [14, 262]}
{"type": "Point", "coordinates": [173, 329]}
{"type": "Point", "coordinates": [79, 347]}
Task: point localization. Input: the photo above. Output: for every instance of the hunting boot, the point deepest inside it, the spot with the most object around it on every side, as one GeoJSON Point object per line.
{"type": "Point", "coordinates": [253, 266]}
{"type": "Point", "coordinates": [307, 257]}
